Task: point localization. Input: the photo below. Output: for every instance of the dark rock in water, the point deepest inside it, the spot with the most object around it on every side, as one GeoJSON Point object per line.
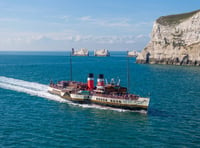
{"type": "Point", "coordinates": [175, 40]}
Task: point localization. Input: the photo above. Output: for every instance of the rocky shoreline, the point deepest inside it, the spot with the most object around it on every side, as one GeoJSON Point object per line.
{"type": "Point", "coordinates": [175, 40]}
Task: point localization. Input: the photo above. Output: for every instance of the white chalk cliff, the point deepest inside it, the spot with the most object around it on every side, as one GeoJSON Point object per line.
{"type": "Point", "coordinates": [175, 39]}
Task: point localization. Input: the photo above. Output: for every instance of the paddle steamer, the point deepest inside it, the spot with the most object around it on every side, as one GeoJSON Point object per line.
{"type": "Point", "coordinates": [111, 94]}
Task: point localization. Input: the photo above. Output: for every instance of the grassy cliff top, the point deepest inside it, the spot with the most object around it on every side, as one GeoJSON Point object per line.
{"type": "Point", "coordinates": [175, 19]}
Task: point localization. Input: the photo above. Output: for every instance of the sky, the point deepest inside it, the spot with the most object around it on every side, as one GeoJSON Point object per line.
{"type": "Point", "coordinates": [60, 25]}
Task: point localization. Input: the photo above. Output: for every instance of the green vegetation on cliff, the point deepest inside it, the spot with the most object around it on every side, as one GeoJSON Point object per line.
{"type": "Point", "coordinates": [175, 19]}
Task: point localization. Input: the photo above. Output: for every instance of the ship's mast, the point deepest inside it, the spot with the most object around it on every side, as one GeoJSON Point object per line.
{"type": "Point", "coordinates": [70, 62]}
{"type": "Point", "coordinates": [128, 73]}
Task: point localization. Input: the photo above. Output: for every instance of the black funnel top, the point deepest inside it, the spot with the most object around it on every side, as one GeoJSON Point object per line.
{"type": "Point", "coordinates": [101, 76]}
{"type": "Point", "coordinates": [91, 75]}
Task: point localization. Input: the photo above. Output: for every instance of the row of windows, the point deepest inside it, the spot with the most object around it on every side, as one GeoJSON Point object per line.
{"type": "Point", "coordinates": [105, 100]}
{"type": "Point", "coordinates": [115, 101]}
{"type": "Point", "coordinates": [101, 99]}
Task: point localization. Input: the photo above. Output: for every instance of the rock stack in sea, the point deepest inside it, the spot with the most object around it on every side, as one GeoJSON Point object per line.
{"type": "Point", "coordinates": [81, 52]}
{"type": "Point", "coordinates": [101, 52]}
{"type": "Point", "coordinates": [132, 53]}
{"type": "Point", "coordinates": [175, 39]}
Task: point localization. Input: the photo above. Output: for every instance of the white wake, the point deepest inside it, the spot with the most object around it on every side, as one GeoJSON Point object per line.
{"type": "Point", "coordinates": [40, 90]}
{"type": "Point", "coordinates": [30, 88]}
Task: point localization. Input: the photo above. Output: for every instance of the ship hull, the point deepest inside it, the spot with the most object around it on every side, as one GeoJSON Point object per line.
{"type": "Point", "coordinates": [138, 104]}
{"type": "Point", "coordinates": [68, 96]}
{"type": "Point", "coordinates": [119, 106]}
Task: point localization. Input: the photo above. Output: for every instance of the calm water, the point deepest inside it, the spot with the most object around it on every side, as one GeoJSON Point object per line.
{"type": "Point", "coordinates": [30, 117]}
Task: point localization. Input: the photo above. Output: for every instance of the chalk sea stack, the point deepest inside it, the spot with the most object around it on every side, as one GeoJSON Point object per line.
{"type": "Point", "coordinates": [175, 39]}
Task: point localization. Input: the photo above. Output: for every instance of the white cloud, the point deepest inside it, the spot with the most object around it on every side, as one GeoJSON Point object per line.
{"type": "Point", "coordinates": [67, 40]}
{"type": "Point", "coordinates": [107, 22]}
{"type": "Point", "coordinates": [86, 18]}
{"type": "Point", "coordinates": [65, 18]}
{"type": "Point", "coordinates": [8, 19]}
{"type": "Point", "coordinates": [72, 36]}
{"type": "Point", "coordinates": [68, 36]}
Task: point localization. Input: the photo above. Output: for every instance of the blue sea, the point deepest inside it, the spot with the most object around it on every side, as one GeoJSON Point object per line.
{"type": "Point", "coordinates": [31, 117]}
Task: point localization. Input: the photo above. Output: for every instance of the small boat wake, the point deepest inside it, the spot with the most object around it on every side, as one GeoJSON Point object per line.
{"type": "Point", "coordinates": [40, 90]}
